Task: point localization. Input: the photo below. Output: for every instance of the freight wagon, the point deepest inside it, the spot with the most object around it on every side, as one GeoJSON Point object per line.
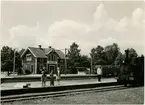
{"type": "Point", "coordinates": [108, 70]}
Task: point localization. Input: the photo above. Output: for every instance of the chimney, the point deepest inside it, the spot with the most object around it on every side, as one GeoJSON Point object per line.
{"type": "Point", "coordinates": [50, 47]}
{"type": "Point", "coordinates": [39, 46]}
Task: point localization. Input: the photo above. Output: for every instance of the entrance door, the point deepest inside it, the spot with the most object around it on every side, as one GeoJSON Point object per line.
{"type": "Point", "coordinates": [52, 67]}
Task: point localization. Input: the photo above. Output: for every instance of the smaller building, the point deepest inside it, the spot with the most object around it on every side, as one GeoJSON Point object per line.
{"type": "Point", "coordinates": [35, 58]}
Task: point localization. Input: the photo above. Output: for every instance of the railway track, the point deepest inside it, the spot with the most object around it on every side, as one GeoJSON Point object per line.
{"type": "Point", "coordinates": [30, 96]}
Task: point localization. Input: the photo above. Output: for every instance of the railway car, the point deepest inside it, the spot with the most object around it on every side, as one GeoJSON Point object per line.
{"type": "Point", "coordinates": [108, 70]}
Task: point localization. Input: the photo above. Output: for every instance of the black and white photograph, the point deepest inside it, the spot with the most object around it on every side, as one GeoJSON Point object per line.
{"type": "Point", "coordinates": [72, 52]}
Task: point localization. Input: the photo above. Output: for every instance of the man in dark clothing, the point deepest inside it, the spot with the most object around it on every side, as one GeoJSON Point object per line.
{"type": "Point", "coordinates": [51, 78]}
{"type": "Point", "coordinates": [43, 77]}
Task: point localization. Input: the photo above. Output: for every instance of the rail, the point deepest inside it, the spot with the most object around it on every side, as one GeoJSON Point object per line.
{"type": "Point", "coordinates": [29, 96]}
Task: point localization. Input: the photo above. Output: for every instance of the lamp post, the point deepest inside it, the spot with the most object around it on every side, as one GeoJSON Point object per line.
{"type": "Point", "coordinates": [65, 62]}
{"type": "Point", "coordinates": [91, 65]}
{"type": "Point", "coordinates": [92, 59]}
{"type": "Point", "coordinates": [65, 58]}
{"type": "Point", "coordinates": [66, 49]}
{"type": "Point", "coordinates": [14, 61]}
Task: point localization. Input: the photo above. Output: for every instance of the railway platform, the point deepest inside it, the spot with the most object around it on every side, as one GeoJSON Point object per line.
{"type": "Point", "coordinates": [37, 84]}
{"type": "Point", "coordinates": [37, 77]}
{"type": "Point", "coordinates": [13, 89]}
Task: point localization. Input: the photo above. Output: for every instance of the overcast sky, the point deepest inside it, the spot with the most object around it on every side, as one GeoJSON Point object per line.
{"type": "Point", "coordinates": [58, 24]}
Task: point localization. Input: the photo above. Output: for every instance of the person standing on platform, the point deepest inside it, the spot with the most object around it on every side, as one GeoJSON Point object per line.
{"type": "Point", "coordinates": [58, 76]}
{"type": "Point", "coordinates": [99, 72]}
{"type": "Point", "coordinates": [43, 77]}
{"type": "Point", "coordinates": [51, 78]}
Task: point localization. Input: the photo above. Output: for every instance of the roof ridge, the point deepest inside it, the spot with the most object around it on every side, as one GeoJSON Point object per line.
{"type": "Point", "coordinates": [37, 48]}
{"type": "Point", "coordinates": [44, 48]}
{"type": "Point", "coordinates": [32, 47]}
{"type": "Point", "coordinates": [58, 49]}
{"type": "Point", "coordinates": [43, 51]}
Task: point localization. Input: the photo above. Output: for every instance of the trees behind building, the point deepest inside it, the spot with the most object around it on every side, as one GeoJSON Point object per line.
{"type": "Point", "coordinates": [7, 58]}
{"type": "Point", "coordinates": [108, 55]}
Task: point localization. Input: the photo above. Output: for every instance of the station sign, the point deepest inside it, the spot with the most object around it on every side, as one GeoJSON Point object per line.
{"type": "Point", "coordinates": [52, 62]}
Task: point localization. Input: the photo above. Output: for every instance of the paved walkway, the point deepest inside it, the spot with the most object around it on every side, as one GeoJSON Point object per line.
{"type": "Point", "coordinates": [16, 85]}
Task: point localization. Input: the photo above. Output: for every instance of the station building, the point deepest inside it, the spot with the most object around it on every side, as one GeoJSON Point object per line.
{"type": "Point", "coordinates": [34, 58]}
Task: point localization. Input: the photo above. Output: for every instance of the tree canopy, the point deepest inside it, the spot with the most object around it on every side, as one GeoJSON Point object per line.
{"type": "Point", "coordinates": [73, 57]}
{"type": "Point", "coordinates": [7, 58]}
{"type": "Point", "coordinates": [108, 55]}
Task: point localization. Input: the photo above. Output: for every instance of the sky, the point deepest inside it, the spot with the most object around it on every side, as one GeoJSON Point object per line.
{"type": "Point", "coordinates": [60, 23]}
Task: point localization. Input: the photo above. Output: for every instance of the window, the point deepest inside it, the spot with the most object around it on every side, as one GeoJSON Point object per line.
{"type": "Point", "coordinates": [41, 60]}
{"type": "Point", "coordinates": [54, 58]}
{"type": "Point", "coordinates": [51, 57]}
{"type": "Point", "coordinates": [32, 68]}
{"type": "Point", "coordinates": [26, 67]}
{"type": "Point", "coordinates": [45, 60]}
{"type": "Point", "coordinates": [28, 57]}
{"type": "Point", "coordinates": [38, 60]}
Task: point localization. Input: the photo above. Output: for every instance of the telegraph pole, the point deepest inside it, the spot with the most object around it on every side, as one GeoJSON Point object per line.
{"type": "Point", "coordinates": [65, 62]}
{"type": "Point", "coordinates": [14, 63]}
{"type": "Point", "coordinates": [91, 65]}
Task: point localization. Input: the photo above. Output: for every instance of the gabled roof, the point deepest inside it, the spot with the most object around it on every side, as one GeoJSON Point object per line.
{"type": "Point", "coordinates": [48, 50]}
{"type": "Point", "coordinates": [21, 51]}
{"type": "Point", "coordinates": [60, 53]}
{"type": "Point", "coordinates": [39, 53]}
{"type": "Point", "coordinates": [42, 52]}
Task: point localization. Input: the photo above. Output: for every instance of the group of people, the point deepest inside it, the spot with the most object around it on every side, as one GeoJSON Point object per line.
{"type": "Point", "coordinates": [58, 76]}
{"type": "Point", "coordinates": [52, 78]}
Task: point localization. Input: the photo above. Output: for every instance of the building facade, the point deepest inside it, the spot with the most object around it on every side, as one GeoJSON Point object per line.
{"type": "Point", "coordinates": [35, 58]}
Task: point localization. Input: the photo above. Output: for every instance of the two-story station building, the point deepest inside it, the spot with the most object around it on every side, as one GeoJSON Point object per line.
{"type": "Point", "coordinates": [34, 58]}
